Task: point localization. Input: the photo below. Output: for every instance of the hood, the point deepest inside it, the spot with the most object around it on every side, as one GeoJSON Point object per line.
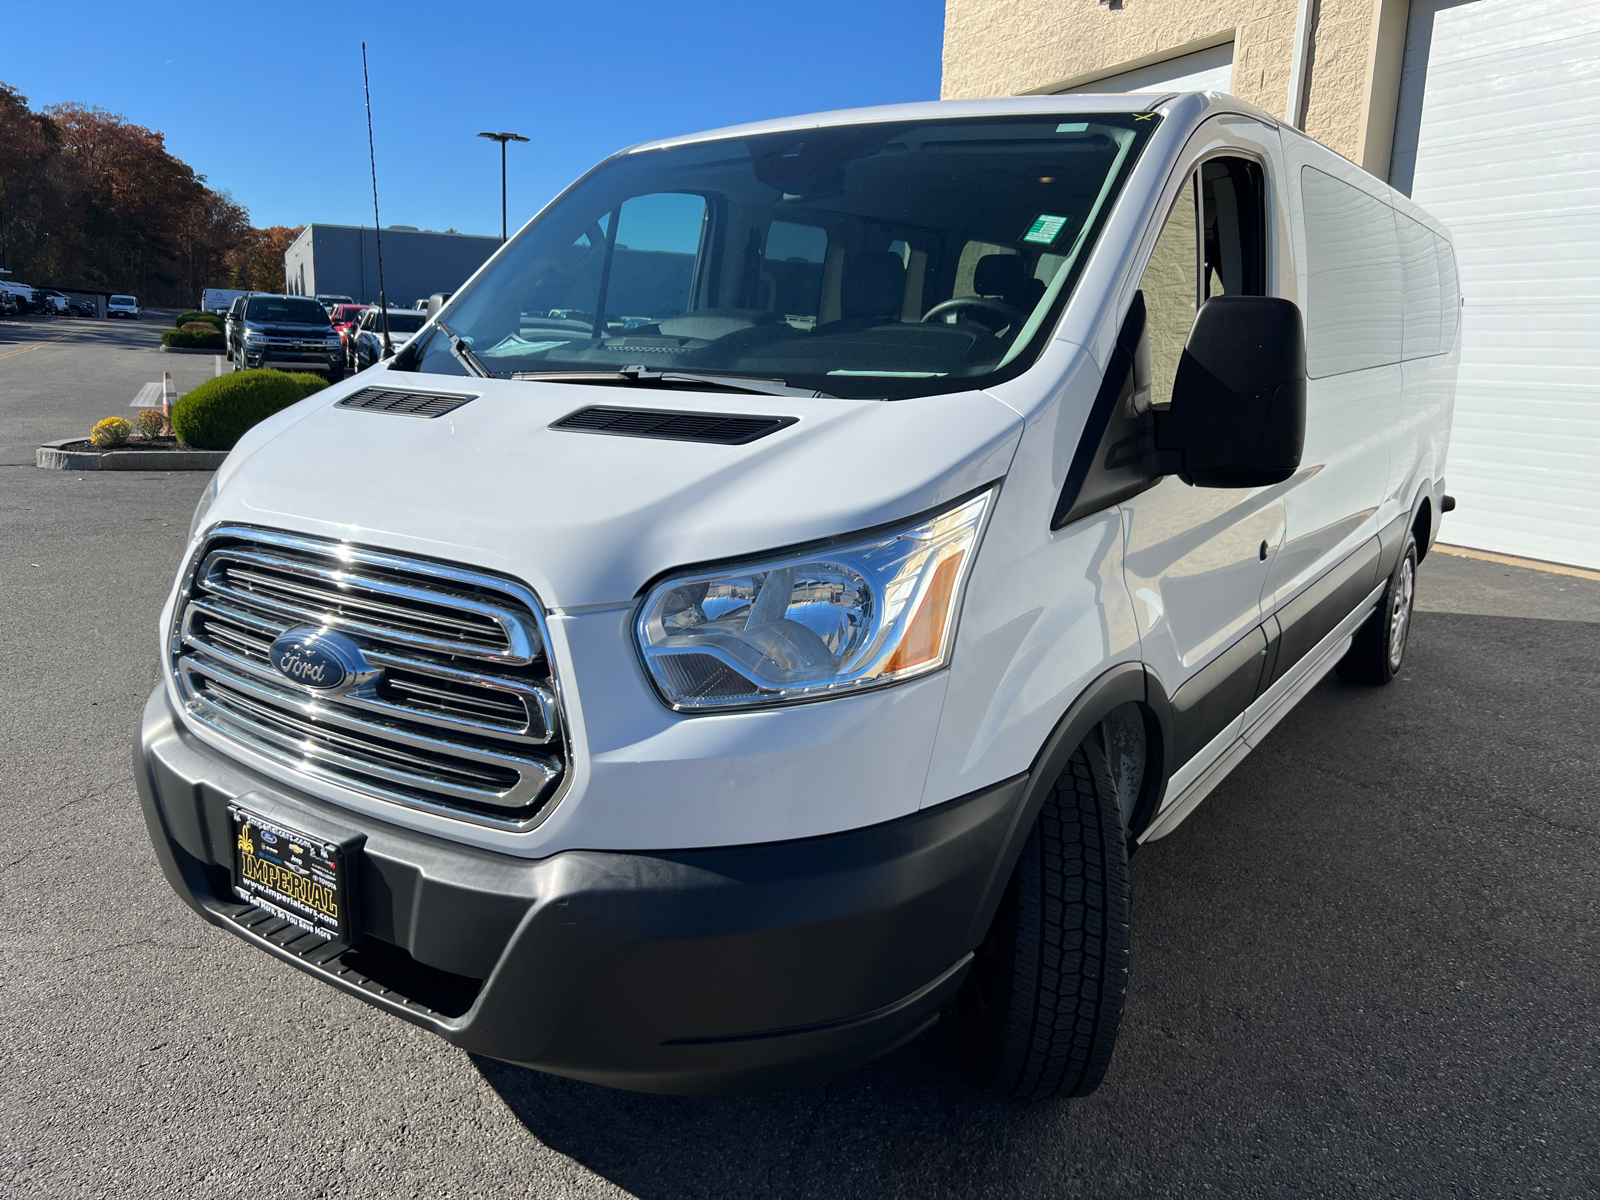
{"type": "Point", "coordinates": [589, 518]}
{"type": "Point", "coordinates": [287, 330]}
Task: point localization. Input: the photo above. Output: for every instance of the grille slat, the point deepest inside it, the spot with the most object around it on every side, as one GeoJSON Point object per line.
{"type": "Point", "coordinates": [463, 716]}
{"type": "Point", "coordinates": [402, 403]}
{"type": "Point", "coordinates": [718, 428]}
{"type": "Point", "coordinates": [307, 593]}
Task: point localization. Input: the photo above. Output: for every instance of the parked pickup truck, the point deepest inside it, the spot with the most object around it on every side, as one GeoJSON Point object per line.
{"type": "Point", "coordinates": [759, 614]}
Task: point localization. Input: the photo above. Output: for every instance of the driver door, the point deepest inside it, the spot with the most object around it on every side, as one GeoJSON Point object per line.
{"type": "Point", "coordinates": [1196, 558]}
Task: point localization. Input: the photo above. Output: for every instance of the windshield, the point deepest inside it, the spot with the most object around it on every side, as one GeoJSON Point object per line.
{"type": "Point", "coordinates": [400, 322]}
{"type": "Point", "coordinates": [877, 261]}
{"type": "Point", "coordinates": [122, 300]}
{"type": "Point", "coordinates": [285, 310]}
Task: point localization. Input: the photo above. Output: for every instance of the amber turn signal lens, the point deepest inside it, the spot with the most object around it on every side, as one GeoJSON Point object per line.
{"type": "Point", "coordinates": [924, 637]}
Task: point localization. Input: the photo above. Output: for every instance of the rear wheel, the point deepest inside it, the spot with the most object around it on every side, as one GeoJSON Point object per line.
{"type": "Point", "coordinates": [1378, 650]}
{"type": "Point", "coordinates": [1039, 1011]}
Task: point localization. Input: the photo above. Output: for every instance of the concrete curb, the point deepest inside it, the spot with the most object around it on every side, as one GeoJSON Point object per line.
{"type": "Point", "coordinates": [51, 457]}
{"type": "Point", "coordinates": [187, 350]}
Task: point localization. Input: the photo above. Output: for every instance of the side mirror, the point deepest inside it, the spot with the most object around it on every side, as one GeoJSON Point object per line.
{"type": "Point", "coordinates": [436, 302]}
{"type": "Point", "coordinates": [1238, 414]}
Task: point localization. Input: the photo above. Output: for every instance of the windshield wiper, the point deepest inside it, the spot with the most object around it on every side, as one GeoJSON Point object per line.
{"type": "Point", "coordinates": [462, 351]}
{"type": "Point", "coordinates": [645, 377]}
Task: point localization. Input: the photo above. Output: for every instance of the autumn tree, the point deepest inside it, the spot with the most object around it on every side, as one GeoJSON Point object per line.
{"type": "Point", "coordinates": [256, 262]}
{"type": "Point", "coordinates": [90, 200]}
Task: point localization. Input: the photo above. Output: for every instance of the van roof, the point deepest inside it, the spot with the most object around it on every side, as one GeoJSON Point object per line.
{"type": "Point", "coordinates": [944, 110]}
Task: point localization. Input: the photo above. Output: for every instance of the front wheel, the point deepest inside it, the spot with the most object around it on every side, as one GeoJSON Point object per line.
{"type": "Point", "coordinates": [1378, 650]}
{"type": "Point", "coordinates": [1039, 1011]}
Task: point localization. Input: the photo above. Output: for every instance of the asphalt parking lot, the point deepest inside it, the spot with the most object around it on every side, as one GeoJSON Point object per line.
{"type": "Point", "coordinates": [1366, 966]}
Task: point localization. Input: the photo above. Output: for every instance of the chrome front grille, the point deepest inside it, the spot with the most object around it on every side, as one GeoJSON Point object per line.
{"type": "Point", "coordinates": [463, 715]}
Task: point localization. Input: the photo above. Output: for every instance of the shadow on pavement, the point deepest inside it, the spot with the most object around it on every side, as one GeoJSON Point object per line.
{"type": "Point", "coordinates": [910, 1124]}
{"type": "Point", "coordinates": [1364, 964]}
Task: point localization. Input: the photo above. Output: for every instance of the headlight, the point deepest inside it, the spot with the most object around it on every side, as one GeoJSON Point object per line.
{"type": "Point", "coordinates": [334, 343]}
{"type": "Point", "coordinates": [254, 335]}
{"type": "Point", "coordinates": [862, 614]}
{"type": "Point", "coordinates": [200, 510]}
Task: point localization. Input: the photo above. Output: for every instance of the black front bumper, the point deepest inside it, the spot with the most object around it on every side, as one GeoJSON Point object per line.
{"type": "Point", "coordinates": [738, 968]}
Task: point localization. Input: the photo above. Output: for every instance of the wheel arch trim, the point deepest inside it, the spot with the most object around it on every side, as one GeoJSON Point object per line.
{"type": "Point", "coordinates": [1127, 682]}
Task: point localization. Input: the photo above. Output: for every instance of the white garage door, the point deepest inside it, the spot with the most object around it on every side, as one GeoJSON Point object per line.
{"type": "Point", "coordinates": [1204, 70]}
{"type": "Point", "coordinates": [1498, 136]}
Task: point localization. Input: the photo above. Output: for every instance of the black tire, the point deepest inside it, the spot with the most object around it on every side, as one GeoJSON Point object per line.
{"type": "Point", "coordinates": [1378, 650]}
{"type": "Point", "coordinates": [1039, 1011]}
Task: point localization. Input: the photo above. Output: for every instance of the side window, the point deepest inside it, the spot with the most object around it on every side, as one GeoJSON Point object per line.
{"type": "Point", "coordinates": [792, 269]}
{"type": "Point", "coordinates": [1449, 294]}
{"type": "Point", "coordinates": [1171, 285]}
{"type": "Point", "coordinates": [1419, 289]}
{"type": "Point", "coordinates": [1213, 244]}
{"type": "Point", "coordinates": [652, 264]}
{"type": "Point", "coordinates": [1354, 306]}
{"type": "Point", "coordinates": [1231, 197]}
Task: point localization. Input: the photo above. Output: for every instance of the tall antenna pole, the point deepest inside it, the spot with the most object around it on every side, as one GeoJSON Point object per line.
{"type": "Point", "coordinates": [372, 155]}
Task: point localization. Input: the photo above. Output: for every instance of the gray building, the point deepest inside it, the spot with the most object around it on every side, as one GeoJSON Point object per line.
{"type": "Point", "coordinates": [343, 260]}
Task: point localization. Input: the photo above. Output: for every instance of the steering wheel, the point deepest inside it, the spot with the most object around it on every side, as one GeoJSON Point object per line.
{"type": "Point", "coordinates": [1010, 316]}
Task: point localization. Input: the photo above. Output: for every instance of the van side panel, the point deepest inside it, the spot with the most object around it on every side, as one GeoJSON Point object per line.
{"type": "Point", "coordinates": [1350, 290]}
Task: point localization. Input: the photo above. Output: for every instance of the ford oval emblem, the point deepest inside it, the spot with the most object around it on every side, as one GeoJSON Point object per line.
{"type": "Point", "coordinates": [320, 659]}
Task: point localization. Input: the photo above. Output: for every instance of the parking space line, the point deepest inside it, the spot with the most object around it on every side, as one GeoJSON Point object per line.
{"type": "Point", "coordinates": [37, 345]}
{"type": "Point", "coordinates": [1511, 560]}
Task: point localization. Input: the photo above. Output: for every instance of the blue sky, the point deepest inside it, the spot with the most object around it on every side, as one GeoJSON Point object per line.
{"type": "Point", "coordinates": [265, 100]}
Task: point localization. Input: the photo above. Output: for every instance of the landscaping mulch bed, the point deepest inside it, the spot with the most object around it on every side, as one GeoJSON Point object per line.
{"type": "Point", "coordinates": [137, 443]}
{"type": "Point", "coordinates": [136, 454]}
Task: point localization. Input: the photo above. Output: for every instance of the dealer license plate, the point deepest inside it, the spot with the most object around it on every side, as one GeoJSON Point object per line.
{"type": "Point", "coordinates": [302, 879]}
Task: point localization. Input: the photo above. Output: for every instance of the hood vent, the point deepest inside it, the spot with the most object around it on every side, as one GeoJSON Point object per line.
{"type": "Point", "coordinates": [718, 428]}
{"type": "Point", "coordinates": [404, 404]}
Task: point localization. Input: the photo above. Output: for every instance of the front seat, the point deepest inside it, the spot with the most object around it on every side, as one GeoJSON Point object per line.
{"type": "Point", "coordinates": [1005, 277]}
{"type": "Point", "coordinates": [873, 289]}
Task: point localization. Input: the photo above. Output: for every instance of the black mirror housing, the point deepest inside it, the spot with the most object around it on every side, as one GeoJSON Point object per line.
{"type": "Point", "coordinates": [1238, 414]}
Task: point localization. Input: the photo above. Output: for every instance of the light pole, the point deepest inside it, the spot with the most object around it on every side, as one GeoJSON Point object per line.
{"type": "Point", "coordinates": [503, 138]}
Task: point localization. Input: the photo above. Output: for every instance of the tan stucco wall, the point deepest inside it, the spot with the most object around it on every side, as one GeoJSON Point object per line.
{"type": "Point", "coordinates": [1005, 47]}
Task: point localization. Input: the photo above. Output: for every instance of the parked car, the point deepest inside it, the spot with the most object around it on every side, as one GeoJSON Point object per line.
{"type": "Point", "coordinates": [123, 306]}
{"type": "Point", "coordinates": [233, 325]}
{"type": "Point", "coordinates": [344, 318]}
{"type": "Point", "coordinates": [712, 703]}
{"type": "Point", "coordinates": [10, 303]}
{"type": "Point", "coordinates": [366, 345]}
{"type": "Point", "coordinates": [53, 302]}
{"type": "Point", "coordinates": [27, 295]}
{"type": "Point", "coordinates": [81, 306]}
{"type": "Point", "coordinates": [291, 333]}
{"type": "Point", "coordinates": [329, 300]}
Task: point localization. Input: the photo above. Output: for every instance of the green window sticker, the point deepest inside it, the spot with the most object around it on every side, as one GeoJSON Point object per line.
{"type": "Point", "coordinates": [1045, 229]}
{"type": "Point", "coordinates": [1073, 127]}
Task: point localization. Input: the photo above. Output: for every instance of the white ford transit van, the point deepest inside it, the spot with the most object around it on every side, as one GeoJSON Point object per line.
{"type": "Point", "coordinates": [766, 605]}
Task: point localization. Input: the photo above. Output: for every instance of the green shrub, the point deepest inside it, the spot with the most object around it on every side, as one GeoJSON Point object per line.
{"type": "Point", "coordinates": [209, 339]}
{"type": "Point", "coordinates": [196, 315]}
{"type": "Point", "coordinates": [218, 413]}
{"type": "Point", "coordinates": [178, 339]}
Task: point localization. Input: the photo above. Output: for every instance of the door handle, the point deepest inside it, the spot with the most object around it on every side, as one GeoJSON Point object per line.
{"type": "Point", "coordinates": [1263, 552]}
